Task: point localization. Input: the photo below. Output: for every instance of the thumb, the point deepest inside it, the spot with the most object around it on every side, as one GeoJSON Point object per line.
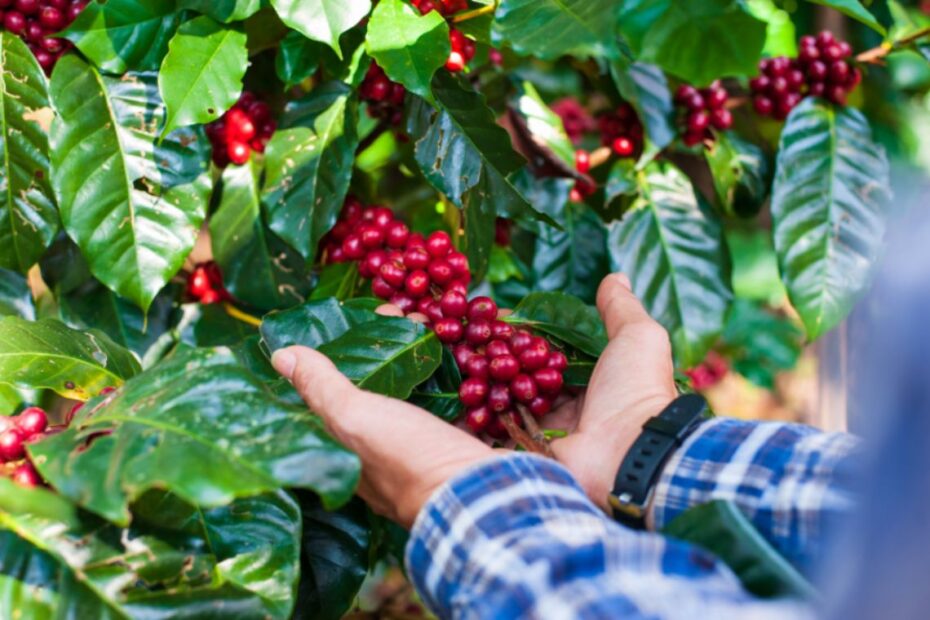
{"type": "Point", "coordinates": [309, 371]}
{"type": "Point", "coordinates": [618, 306]}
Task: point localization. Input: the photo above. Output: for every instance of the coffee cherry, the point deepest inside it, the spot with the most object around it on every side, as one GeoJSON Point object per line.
{"type": "Point", "coordinates": [540, 406]}
{"type": "Point", "coordinates": [455, 62]}
{"type": "Point", "coordinates": [11, 445]}
{"type": "Point", "coordinates": [623, 147]}
{"type": "Point", "coordinates": [440, 271]}
{"type": "Point", "coordinates": [381, 288]}
{"type": "Point", "coordinates": [501, 330]}
{"type": "Point", "coordinates": [417, 283]}
{"type": "Point", "coordinates": [406, 303]}
{"type": "Point", "coordinates": [394, 273]}
{"type": "Point", "coordinates": [417, 258]}
{"type": "Point", "coordinates": [499, 399]}
{"type": "Point", "coordinates": [473, 392]}
{"type": "Point", "coordinates": [51, 18]}
{"type": "Point", "coordinates": [430, 308]}
{"type": "Point", "coordinates": [454, 304]}
{"type": "Point", "coordinates": [721, 119]}
{"type": "Point", "coordinates": [14, 22]}
{"type": "Point", "coordinates": [503, 367]}
{"type": "Point", "coordinates": [27, 7]}
{"type": "Point", "coordinates": [459, 264]}
{"type": "Point", "coordinates": [520, 341]}
{"type": "Point", "coordinates": [448, 330]}
{"type": "Point", "coordinates": [352, 247]}
{"type": "Point", "coordinates": [582, 161]}
{"type": "Point", "coordinates": [25, 475]}
{"type": "Point", "coordinates": [478, 332]}
{"type": "Point", "coordinates": [438, 244]}
{"type": "Point", "coordinates": [478, 419]}
{"type": "Point", "coordinates": [548, 380]}
{"type": "Point", "coordinates": [482, 308]}
{"type": "Point", "coordinates": [462, 353]}
{"type": "Point", "coordinates": [557, 360]}
{"type": "Point", "coordinates": [373, 262]}
{"type": "Point", "coordinates": [238, 152]}
{"type": "Point", "coordinates": [396, 234]}
{"type": "Point", "coordinates": [477, 366]}
{"type": "Point", "coordinates": [32, 421]}
{"type": "Point", "coordinates": [211, 297]}
{"type": "Point", "coordinates": [496, 348]}
{"type": "Point", "coordinates": [523, 388]}
{"type": "Point", "coordinates": [371, 236]}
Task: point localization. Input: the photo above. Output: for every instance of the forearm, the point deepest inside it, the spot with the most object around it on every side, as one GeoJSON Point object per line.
{"type": "Point", "coordinates": [519, 538]}
{"type": "Point", "coordinates": [790, 480]}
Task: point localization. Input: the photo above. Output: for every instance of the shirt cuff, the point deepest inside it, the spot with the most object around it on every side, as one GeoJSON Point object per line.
{"type": "Point", "coordinates": [490, 501]}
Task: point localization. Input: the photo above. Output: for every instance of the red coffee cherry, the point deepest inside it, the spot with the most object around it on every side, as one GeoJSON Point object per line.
{"type": "Point", "coordinates": [417, 283]}
{"type": "Point", "coordinates": [557, 360]}
{"type": "Point", "coordinates": [523, 388]}
{"type": "Point", "coordinates": [438, 244]}
{"type": "Point", "coordinates": [504, 368]}
{"type": "Point", "coordinates": [482, 308]}
{"type": "Point", "coordinates": [462, 353]}
{"type": "Point", "coordinates": [499, 398]}
{"type": "Point", "coordinates": [477, 366]}
{"type": "Point", "coordinates": [478, 331]}
{"type": "Point", "coordinates": [448, 330]}
{"type": "Point", "coordinates": [454, 304]}
{"type": "Point", "coordinates": [11, 445]}
{"type": "Point", "coordinates": [496, 348]}
{"type": "Point", "coordinates": [32, 421]}
{"type": "Point", "coordinates": [25, 475]}
{"type": "Point", "coordinates": [548, 380]}
{"type": "Point", "coordinates": [478, 419]}
{"type": "Point", "coordinates": [473, 392]}
{"type": "Point", "coordinates": [540, 406]}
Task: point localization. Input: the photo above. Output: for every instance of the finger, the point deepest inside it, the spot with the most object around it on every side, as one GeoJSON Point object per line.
{"type": "Point", "coordinates": [309, 371]}
{"type": "Point", "coordinates": [418, 317]}
{"type": "Point", "coordinates": [618, 306]}
{"type": "Point", "coordinates": [389, 310]}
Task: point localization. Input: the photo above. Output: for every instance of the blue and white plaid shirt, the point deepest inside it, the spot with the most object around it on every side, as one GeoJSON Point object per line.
{"type": "Point", "coordinates": [518, 538]}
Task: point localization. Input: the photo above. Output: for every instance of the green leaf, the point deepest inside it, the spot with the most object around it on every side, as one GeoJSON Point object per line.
{"type": "Point", "coordinates": [335, 558]}
{"type": "Point", "coordinates": [779, 30]}
{"type": "Point", "coordinates": [28, 580]}
{"type": "Point", "coordinates": [314, 323]}
{"type": "Point", "coordinates": [440, 393]}
{"type": "Point", "coordinates": [15, 296]}
{"type": "Point", "coordinates": [854, 9]}
{"type": "Point", "coordinates": [133, 207]}
{"type": "Point", "coordinates": [720, 528]}
{"type": "Point", "coordinates": [309, 165]}
{"type": "Point", "coordinates": [407, 45]}
{"type": "Point", "coordinates": [120, 35]}
{"type": "Point", "coordinates": [672, 249]}
{"type": "Point", "coordinates": [28, 220]}
{"type": "Point", "coordinates": [37, 501]}
{"type": "Point", "coordinates": [759, 343]}
{"type": "Point", "coordinates": [645, 87]}
{"type": "Point", "coordinates": [298, 58]}
{"type": "Point", "coordinates": [257, 268]}
{"type": "Point", "coordinates": [548, 29]}
{"type": "Point", "coordinates": [696, 41]}
{"type": "Point", "coordinates": [201, 426]}
{"type": "Point", "coordinates": [467, 156]}
{"type": "Point", "coordinates": [201, 77]}
{"type": "Point", "coordinates": [564, 316]}
{"type": "Point", "coordinates": [573, 260]}
{"type": "Point", "coordinates": [322, 20]}
{"type": "Point", "coordinates": [224, 10]}
{"type": "Point", "coordinates": [831, 183]}
{"type": "Point", "coordinates": [338, 280]}
{"type": "Point", "coordinates": [545, 125]}
{"type": "Point", "coordinates": [388, 355]}
{"type": "Point", "coordinates": [49, 354]}
{"type": "Point", "coordinates": [740, 173]}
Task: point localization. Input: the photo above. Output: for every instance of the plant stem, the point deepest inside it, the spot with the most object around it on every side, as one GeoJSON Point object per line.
{"type": "Point", "coordinates": [467, 15]}
{"type": "Point", "coordinates": [238, 314]}
{"type": "Point", "coordinates": [536, 433]}
{"type": "Point", "coordinates": [877, 54]}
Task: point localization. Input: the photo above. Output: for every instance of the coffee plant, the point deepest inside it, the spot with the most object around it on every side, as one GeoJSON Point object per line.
{"type": "Point", "coordinates": [189, 185]}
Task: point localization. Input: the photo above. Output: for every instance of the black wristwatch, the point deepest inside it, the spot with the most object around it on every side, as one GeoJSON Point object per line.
{"type": "Point", "coordinates": [640, 470]}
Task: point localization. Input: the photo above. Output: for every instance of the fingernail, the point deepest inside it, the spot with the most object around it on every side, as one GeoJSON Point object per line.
{"type": "Point", "coordinates": [624, 280]}
{"type": "Point", "coordinates": [284, 362]}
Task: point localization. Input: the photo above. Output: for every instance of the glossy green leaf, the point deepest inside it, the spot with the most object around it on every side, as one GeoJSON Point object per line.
{"type": "Point", "coordinates": [780, 37]}
{"type": "Point", "coordinates": [551, 28]}
{"type": "Point", "coordinates": [38, 501]}
{"type": "Point", "coordinates": [224, 10]}
{"type": "Point", "coordinates": [211, 326]}
{"type": "Point", "coordinates": [49, 354]}
{"type": "Point", "coordinates": [440, 393]}
{"type": "Point", "coordinates": [831, 183]}
{"type": "Point", "coordinates": [544, 125]}
{"type": "Point", "coordinates": [122, 35]}
{"type": "Point", "coordinates": [201, 76]}
{"type": "Point", "coordinates": [28, 580]}
{"type": "Point", "coordinates": [133, 207]}
{"type": "Point", "coordinates": [314, 323]}
{"type": "Point", "coordinates": [409, 47]}
{"type": "Point", "coordinates": [201, 426]}
{"type": "Point", "coordinates": [388, 355]}
{"type": "Point", "coordinates": [854, 9]}
{"type": "Point", "coordinates": [467, 156]}
{"type": "Point", "coordinates": [309, 165]}
{"type": "Point", "coordinates": [28, 220]}
{"type": "Point", "coordinates": [572, 260]}
{"type": "Point", "coordinates": [257, 268]}
{"type": "Point", "coordinates": [696, 41]}
{"type": "Point", "coordinates": [645, 87]}
{"type": "Point", "coordinates": [334, 559]}
{"type": "Point", "coordinates": [322, 20]}
{"type": "Point", "coordinates": [672, 249]}
{"type": "Point", "coordinates": [722, 529]}
{"type": "Point", "coordinates": [740, 173]}
{"type": "Point", "coordinates": [298, 58]}
{"type": "Point", "coordinates": [338, 280]}
{"type": "Point", "coordinates": [759, 343]}
{"type": "Point", "coordinates": [15, 296]}
{"type": "Point", "coordinates": [564, 316]}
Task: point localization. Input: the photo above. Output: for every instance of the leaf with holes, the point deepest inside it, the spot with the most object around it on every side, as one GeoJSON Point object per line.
{"type": "Point", "coordinates": [200, 425]}
{"type": "Point", "coordinates": [28, 220]}
{"type": "Point", "coordinates": [122, 35]}
{"type": "Point", "coordinates": [309, 163]}
{"type": "Point", "coordinates": [322, 20]}
{"type": "Point", "coordinates": [134, 207]}
{"type": "Point", "coordinates": [828, 200]}
{"type": "Point", "coordinates": [201, 77]}
{"type": "Point", "coordinates": [49, 354]}
{"type": "Point", "coordinates": [672, 248]}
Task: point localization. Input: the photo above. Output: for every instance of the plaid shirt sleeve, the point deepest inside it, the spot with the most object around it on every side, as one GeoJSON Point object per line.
{"type": "Point", "coordinates": [517, 537]}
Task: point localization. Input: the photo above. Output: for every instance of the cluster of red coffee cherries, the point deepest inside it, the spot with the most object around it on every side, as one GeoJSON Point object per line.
{"type": "Point", "coordinates": [385, 98]}
{"type": "Point", "coordinates": [582, 189]}
{"type": "Point", "coordinates": [463, 48]}
{"type": "Point", "coordinates": [36, 21]}
{"type": "Point", "coordinates": [703, 109]}
{"type": "Point", "coordinates": [15, 432]}
{"type": "Point", "coordinates": [708, 373]}
{"type": "Point", "coordinates": [205, 284]}
{"type": "Point", "coordinates": [575, 118]}
{"type": "Point", "coordinates": [822, 69]}
{"type": "Point", "coordinates": [246, 127]}
{"type": "Point", "coordinates": [504, 367]}
{"type": "Point", "coordinates": [621, 130]}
